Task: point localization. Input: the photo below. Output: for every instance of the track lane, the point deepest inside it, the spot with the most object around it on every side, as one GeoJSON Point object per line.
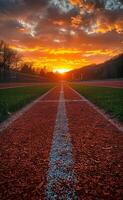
{"type": "Point", "coordinates": [103, 83]}
{"type": "Point", "coordinates": [97, 151]}
{"type": "Point", "coordinates": [15, 84]}
{"type": "Point", "coordinates": [30, 148]}
{"type": "Point", "coordinates": [25, 147]}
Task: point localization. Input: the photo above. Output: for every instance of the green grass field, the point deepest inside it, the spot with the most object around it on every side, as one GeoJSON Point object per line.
{"type": "Point", "coordinates": [109, 99]}
{"type": "Point", "coordinates": [12, 99]}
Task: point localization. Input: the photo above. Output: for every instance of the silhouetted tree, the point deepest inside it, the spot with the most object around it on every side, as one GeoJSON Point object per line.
{"type": "Point", "coordinates": [9, 58]}
{"type": "Point", "coordinates": [27, 68]}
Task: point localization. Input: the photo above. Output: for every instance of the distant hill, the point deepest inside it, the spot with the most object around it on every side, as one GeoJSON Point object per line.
{"type": "Point", "coordinates": [110, 69]}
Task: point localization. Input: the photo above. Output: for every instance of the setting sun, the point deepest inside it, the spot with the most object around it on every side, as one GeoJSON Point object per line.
{"type": "Point", "coordinates": [61, 71]}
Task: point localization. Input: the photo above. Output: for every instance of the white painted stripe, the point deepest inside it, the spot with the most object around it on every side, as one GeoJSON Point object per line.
{"type": "Point", "coordinates": [116, 124]}
{"type": "Point", "coordinates": [4, 125]}
{"type": "Point", "coordinates": [61, 179]}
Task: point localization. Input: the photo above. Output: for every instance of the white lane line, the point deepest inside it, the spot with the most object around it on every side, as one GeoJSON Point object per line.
{"type": "Point", "coordinates": [101, 112]}
{"type": "Point", "coordinates": [4, 125]}
{"type": "Point", "coordinates": [61, 179]}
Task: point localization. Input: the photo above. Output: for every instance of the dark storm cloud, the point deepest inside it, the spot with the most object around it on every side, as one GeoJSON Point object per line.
{"type": "Point", "coordinates": [55, 14]}
{"type": "Point", "coordinates": [41, 11]}
{"type": "Point", "coordinates": [8, 5]}
{"type": "Point", "coordinates": [21, 8]}
{"type": "Point", "coordinates": [35, 3]}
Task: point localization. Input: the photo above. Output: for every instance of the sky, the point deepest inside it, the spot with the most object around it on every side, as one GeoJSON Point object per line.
{"type": "Point", "coordinates": [63, 34]}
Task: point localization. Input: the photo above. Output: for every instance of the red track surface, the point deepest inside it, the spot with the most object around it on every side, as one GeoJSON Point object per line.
{"type": "Point", "coordinates": [116, 84]}
{"type": "Point", "coordinates": [97, 148]}
{"type": "Point", "coordinates": [25, 150]}
{"type": "Point", "coordinates": [97, 151]}
{"type": "Point", "coordinates": [14, 85]}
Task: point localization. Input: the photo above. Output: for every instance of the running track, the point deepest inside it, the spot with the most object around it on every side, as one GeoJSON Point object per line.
{"type": "Point", "coordinates": [63, 149]}
{"type": "Point", "coordinates": [14, 85]}
{"type": "Point", "coordinates": [103, 83]}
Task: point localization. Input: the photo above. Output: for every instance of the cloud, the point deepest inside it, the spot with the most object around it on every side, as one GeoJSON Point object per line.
{"type": "Point", "coordinates": [94, 4]}
{"type": "Point", "coordinates": [98, 16]}
{"type": "Point", "coordinates": [7, 6]}
{"type": "Point", "coordinates": [64, 5]}
{"type": "Point", "coordinates": [63, 51]}
{"type": "Point", "coordinates": [76, 21]}
{"type": "Point", "coordinates": [99, 52]}
{"type": "Point", "coordinates": [59, 22]}
{"type": "Point", "coordinates": [28, 28]}
{"type": "Point", "coordinates": [56, 31]}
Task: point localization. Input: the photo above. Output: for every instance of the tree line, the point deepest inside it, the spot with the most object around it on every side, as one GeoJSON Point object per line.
{"type": "Point", "coordinates": [11, 62]}
{"type": "Point", "coordinates": [111, 69]}
{"type": "Point", "coordinates": [13, 67]}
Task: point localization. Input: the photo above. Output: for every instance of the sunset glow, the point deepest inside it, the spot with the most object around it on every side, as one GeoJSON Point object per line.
{"type": "Point", "coordinates": [61, 71]}
{"type": "Point", "coordinates": [63, 35]}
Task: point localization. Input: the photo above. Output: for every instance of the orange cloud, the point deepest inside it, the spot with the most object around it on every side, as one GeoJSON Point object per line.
{"type": "Point", "coordinates": [119, 26]}
{"type": "Point", "coordinates": [84, 4]}
{"type": "Point", "coordinates": [99, 52]}
{"type": "Point", "coordinates": [53, 51]}
{"type": "Point", "coordinates": [24, 49]}
{"type": "Point", "coordinates": [76, 21]}
{"type": "Point", "coordinates": [59, 22]}
{"type": "Point", "coordinates": [54, 64]}
{"type": "Point", "coordinates": [103, 26]}
{"type": "Point", "coordinates": [76, 2]}
{"type": "Point", "coordinates": [61, 51]}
